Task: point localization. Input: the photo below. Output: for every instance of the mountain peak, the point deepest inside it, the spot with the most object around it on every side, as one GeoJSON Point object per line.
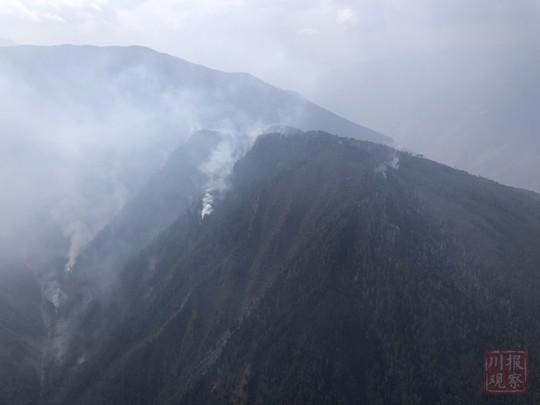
{"type": "Point", "coordinates": [312, 265]}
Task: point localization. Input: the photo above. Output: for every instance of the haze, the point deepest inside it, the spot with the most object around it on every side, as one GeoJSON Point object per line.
{"type": "Point", "coordinates": [385, 64]}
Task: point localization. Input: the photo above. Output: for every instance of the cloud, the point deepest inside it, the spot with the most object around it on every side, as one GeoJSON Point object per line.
{"type": "Point", "coordinates": [346, 16]}
{"type": "Point", "coordinates": [53, 11]}
{"type": "Point", "coordinates": [279, 35]}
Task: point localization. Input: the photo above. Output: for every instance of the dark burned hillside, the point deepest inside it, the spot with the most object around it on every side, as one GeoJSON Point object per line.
{"type": "Point", "coordinates": [333, 271]}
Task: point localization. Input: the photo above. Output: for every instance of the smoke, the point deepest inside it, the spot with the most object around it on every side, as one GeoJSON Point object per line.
{"type": "Point", "coordinates": [79, 236]}
{"type": "Point", "coordinates": [76, 143]}
{"type": "Point", "coordinates": [207, 203]}
{"type": "Point", "coordinates": [218, 168]}
{"type": "Point", "coordinates": [392, 162]}
{"type": "Point", "coordinates": [54, 294]}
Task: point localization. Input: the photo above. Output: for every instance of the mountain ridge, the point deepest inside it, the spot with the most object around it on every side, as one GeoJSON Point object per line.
{"type": "Point", "coordinates": [315, 264]}
{"type": "Point", "coordinates": [137, 51]}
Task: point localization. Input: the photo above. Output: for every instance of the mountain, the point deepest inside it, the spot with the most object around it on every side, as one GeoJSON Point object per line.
{"type": "Point", "coordinates": [104, 119]}
{"type": "Point", "coordinates": [94, 76]}
{"type": "Point", "coordinates": [473, 109]}
{"type": "Point", "coordinates": [96, 159]}
{"type": "Point", "coordinates": [85, 287]}
{"type": "Point", "coordinates": [330, 271]}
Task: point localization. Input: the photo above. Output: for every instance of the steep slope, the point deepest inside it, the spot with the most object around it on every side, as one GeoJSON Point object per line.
{"type": "Point", "coordinates": [333, 271]}
{"type": "Point", "coordinates": [165, 197]}
{"type": "Point", "coordinates": [79, 319]}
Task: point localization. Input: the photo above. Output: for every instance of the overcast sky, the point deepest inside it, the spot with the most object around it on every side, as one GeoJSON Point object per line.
{"type": "Point", "coordinates": [295, 44]}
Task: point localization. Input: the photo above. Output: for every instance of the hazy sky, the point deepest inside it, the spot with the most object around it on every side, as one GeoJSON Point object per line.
{"type": "Point", "coordinates": [296, 44]}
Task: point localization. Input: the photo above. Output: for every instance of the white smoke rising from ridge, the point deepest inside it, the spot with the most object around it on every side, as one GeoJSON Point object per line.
{"type": "Point", "coordinates": [54, 294]}
{"type": "Point", "coordinates": [207, 204]}
{"type": "Point", "coordinates": [220, 164]}
{"type": "Point", "coordinates": [79, 236]}
{"type": "Point", "coordinates": [217, 169]}
{"type": "Point", "coordinates": [392, 163]}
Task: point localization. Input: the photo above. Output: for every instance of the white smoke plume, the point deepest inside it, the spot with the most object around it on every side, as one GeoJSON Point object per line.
{"type": "Point", "coordinates": [53, 293]}
{"type": "Point", "coordinates": [207, 204]}
{"type": "Point", "coordinates": [79, 236]}
{"type": "Point", "coordinates": [392, 163]}
{"type": "Point", "coordinates": [217, 169]}
{"type": "Point", "coordinates": [220, 164]}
